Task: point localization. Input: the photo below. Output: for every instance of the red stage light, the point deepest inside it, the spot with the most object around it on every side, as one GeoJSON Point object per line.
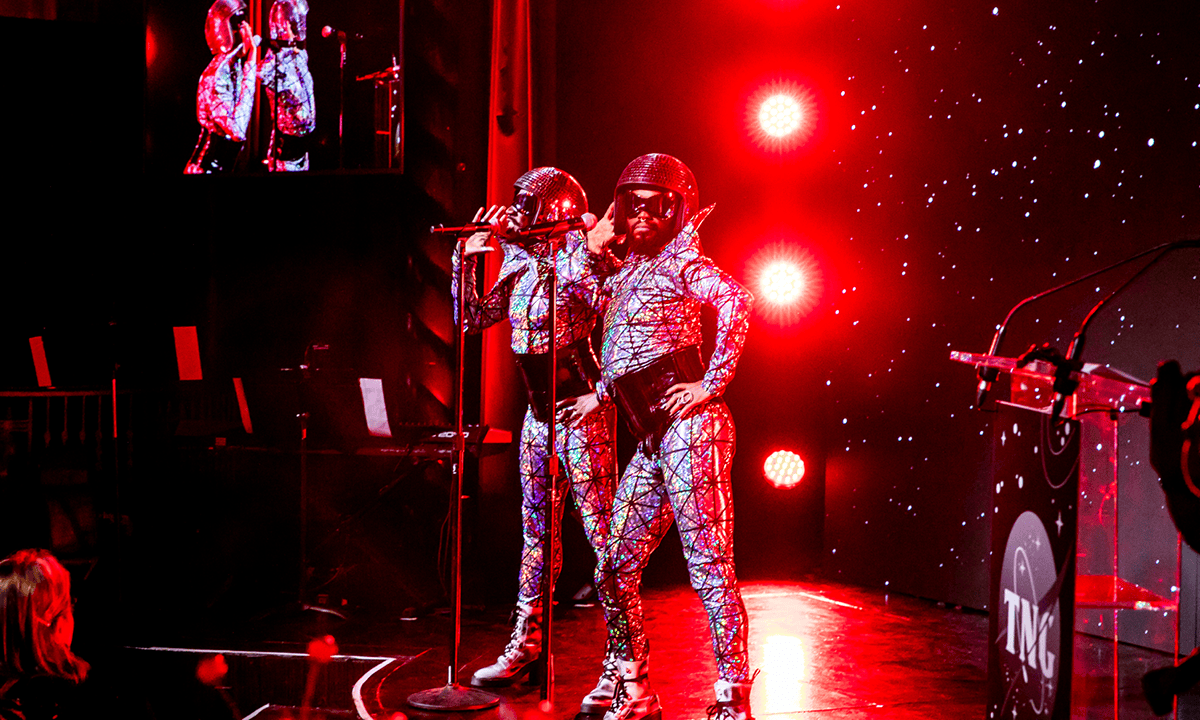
{"type": "Point", "coordinates": [784, 469]}
{"type": "Point", "coordinates": [786, 279]}
{"type": "Point", "coordinates": [781, 116]}
{"type": "Point", "coordinates": [782, 283]}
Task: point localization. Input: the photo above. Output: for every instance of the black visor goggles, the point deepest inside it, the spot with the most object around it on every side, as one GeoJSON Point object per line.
{"type": "Point", "coordinates": [526, 203]}
{"type": "Point", "coordinates": [662, 206]}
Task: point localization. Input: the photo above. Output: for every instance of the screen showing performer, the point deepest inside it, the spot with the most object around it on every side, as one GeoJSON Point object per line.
{"type": "Point", "coordinates": [289, 87]}
{"type": "Point", "coordinates": [651, 366]}
{"type": "Point", "coordinates": [585, 449]}
{"type": "Point", "coordinates": [225, 96]}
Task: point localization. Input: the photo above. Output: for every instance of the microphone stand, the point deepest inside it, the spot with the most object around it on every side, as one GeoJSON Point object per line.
{"type": "Point", "coordinates": [988, 375]}
{"type": "Point", "coordinates": [452, 696]}
{"type": "Point", "coordinates": [552, 471]}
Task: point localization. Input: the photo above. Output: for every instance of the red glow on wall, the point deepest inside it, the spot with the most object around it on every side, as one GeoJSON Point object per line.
{"type": "Point", "coordinates": [784, 469]}
{"type": "Point", "coordinates": [151, 47]}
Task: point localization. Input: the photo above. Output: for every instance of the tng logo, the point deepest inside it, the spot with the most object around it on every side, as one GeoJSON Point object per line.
{"type": "Point", "coordinates": [1027, 633]}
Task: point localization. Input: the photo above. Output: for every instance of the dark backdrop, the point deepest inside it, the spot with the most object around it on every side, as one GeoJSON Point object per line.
{"type": "Point", "coordinates": [965, 156]}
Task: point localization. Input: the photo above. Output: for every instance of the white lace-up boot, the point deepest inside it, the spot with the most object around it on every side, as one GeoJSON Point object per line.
{"type": "Point", "coordinates": [520, 655]}
{"type": "Point", "coordinates": [634, 699]}
{"type": "Point", "coordinates": [733, 701]}
{"type": "Point", "coordinates": [600, 699]}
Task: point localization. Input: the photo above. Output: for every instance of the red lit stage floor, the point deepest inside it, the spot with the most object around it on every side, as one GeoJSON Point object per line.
{"type": "Point", "coordinates": [824, 650]}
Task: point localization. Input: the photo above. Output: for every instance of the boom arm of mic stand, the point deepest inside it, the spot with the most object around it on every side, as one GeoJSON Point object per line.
{"type": "Point", "coordinates": [1064, 386]}
{"type": "Point", "coordinates": [988, 375]}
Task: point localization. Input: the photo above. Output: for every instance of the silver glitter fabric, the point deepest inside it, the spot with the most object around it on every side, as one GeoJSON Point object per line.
{"type": "Point", "coordinates": [652, 308]}
{"type": "Point", "coordinates": [296, 112]}
{"type": "Point", "coordinates": [224, 103]}
{"type": "Point", "coordinates": [521, 291]}
{"type": "Point", "coordinates": [586, 452]}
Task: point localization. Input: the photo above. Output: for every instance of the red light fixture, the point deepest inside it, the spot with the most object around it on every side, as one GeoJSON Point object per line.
{"type": "Point", "coordinates": [784, 469]}
{"type": "Point", "coordinates": [782, 283]}
{"type": "Point", "coordinates": [786, 279]}
{"type": "Point", "coordinates": [781, 116]}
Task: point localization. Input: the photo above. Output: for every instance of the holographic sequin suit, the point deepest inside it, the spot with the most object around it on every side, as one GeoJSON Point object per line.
{"type": "Point", "coordinates": [652, 308]}
{"type": "Point", "coordinates": [224, 104]}
{"type": "Point", "coordinates": [296, 111]}
{"type": "Point", "coordinates": [586, 451]}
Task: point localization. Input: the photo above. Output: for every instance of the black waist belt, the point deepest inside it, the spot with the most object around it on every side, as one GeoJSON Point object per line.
{"type": "Point", "coordinates": [642, 393]}
{"type": "Point", "coordinates": [575, 374]}
{"type": "Point", "coordinates": [215, 153]}
{"type": "Point", "coordinates": [290, 148]}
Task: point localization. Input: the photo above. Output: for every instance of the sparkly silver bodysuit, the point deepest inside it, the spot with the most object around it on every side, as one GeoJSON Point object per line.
{"type": "Point", "coordinates": [586, 451]}
{"type": "Point", "coordinates": [224, 104]}
{"type": "Point", "coordinates": [296, 110]}
{"type": "Point", "coordinates": [652, 308]}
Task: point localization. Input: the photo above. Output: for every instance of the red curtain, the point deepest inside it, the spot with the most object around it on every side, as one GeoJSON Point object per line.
{"type": "Point", "coordinates": [510, 142]}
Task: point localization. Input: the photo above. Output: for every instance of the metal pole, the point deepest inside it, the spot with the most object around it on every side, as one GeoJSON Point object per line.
{"type": "Point", "coordinates": [551, 535]}
{"type": "Point", "coordinates": [452, 696]}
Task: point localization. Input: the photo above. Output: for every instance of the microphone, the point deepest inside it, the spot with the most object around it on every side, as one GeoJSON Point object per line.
{"type": "Point", "coordinates": [468, 229]}
{"type": "Point", "coordinates": [546, 230]}
{"type": "Point", "coordinates": [327, 31]}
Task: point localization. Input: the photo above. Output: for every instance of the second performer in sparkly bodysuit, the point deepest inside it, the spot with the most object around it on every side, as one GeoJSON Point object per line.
{"type": "Point", "coordinates": [225, 94]}
{"type": "Point", "coordinates": [289, 87]}
{"type": "Point", "coordinates": [585, 449]}
{"type": "Point", "coordinates": [652, 367]}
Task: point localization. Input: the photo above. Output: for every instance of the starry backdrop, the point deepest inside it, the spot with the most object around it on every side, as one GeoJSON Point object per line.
{"type": "Point", "coordinates": [964, 155]}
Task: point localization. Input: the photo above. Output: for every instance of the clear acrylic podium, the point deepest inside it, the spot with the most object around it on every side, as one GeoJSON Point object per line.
{"type": "Point", "coordinates": [1104, 400]}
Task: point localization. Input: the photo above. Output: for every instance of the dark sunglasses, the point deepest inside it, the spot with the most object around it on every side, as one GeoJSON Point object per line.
{"type": "Point", "coordinates": [661, 206]}
{"type": "Point", "coordinates": [526, 203]}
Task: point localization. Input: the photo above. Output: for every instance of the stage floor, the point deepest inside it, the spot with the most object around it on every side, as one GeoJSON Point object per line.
{"type": "Point", "coordinates": [824, 650]}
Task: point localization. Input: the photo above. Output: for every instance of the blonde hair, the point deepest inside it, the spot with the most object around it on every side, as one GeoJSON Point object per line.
{"type": "Point", "coordinates": [35, 598]}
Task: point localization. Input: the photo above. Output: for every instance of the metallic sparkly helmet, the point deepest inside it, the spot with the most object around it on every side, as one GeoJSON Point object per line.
{"type": "Point", "coordinates": [659, 172]}
{"type": "Point", "coordinates": [548, 194]}
{"type": "Point", "coordinates": [221, 27]}
{"type": "Point", "coordinates": [289, 16]}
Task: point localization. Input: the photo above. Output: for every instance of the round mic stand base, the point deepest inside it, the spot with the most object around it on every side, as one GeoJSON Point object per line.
{"type": "Point", "coordinates": [453, 697]}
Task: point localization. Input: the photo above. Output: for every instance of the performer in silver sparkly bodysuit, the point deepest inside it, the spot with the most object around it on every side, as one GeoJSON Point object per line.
{"type": "Point", "coordinates": [651, 366]}
{"type": "Point", "coordinates": [225, 96]}
{"type": "Point", "coordinates": [289, 87]}
{"type": "Point", "coordinates": [585, 448]}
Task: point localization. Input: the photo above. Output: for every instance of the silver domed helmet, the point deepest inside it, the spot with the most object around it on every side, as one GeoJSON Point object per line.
{"type": "Point", "coordinates": [221, 26]}
{"type": "Point", "coordinates": [547, 194]}
{"type": "Point", "coordinates": [289, 21]}
{"type": "Point", "coordinates": [656, 171]}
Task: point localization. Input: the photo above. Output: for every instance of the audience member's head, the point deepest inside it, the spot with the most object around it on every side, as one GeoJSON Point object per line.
{"type": "Point", "coordinates": [36, 620]}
